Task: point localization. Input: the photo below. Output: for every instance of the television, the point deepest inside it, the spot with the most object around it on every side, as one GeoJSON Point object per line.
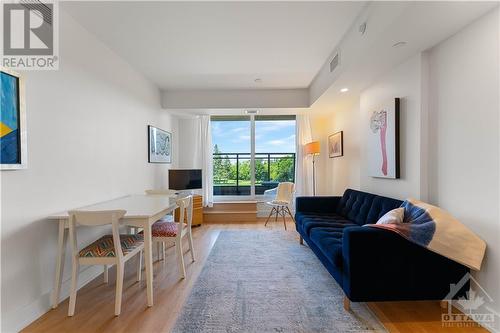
{"type": "Point", "coordinates": [184, 179]}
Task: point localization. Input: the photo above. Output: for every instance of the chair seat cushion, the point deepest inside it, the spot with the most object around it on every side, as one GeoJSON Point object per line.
{"type": "Point", "coordinates": [164, 229]}
{"type": "Point", "coordinates": [104, 247]}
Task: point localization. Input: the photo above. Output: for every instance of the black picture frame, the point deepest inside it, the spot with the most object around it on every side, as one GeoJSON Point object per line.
{"type": "Point", "coordinates": [383, 162]}
{"type": "Point", "coordinates": [331, 153]}
{"type": "Point", "coordinates": [165, 156]}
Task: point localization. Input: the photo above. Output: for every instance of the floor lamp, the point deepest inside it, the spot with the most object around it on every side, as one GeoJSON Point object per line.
{"type": "Point", "coordinates": [313, 148]}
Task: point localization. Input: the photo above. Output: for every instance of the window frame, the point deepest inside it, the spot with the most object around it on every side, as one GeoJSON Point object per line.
{"type": "Point", "coordinates": [253, 119]}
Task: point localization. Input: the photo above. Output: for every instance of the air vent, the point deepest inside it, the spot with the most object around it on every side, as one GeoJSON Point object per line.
{"type": "Point", "coordinates": [335, 62]}
{"type": "Point", "coordinates": [38, 7]}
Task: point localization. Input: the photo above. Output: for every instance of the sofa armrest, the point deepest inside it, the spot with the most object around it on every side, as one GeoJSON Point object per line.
{"type": "Point", "coordinates": [380, 265]}
{"type": "Point", "coordinates": [326, 204]}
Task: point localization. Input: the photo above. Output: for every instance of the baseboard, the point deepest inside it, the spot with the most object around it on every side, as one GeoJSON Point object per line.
{"type": "Point", "coordinates": [15, 321]}
{"type": "Point", "coordinates": [492, 311]}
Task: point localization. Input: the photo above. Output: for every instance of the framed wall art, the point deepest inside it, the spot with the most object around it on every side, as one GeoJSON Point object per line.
{"type": "Point", "coordinates": [336, 144]}
{"type": "Point", "coordinates": [13, 149]}
{"type": "Point", "coordinates": [159, 145]}
{"type": "Point", "coordinates": [383, 141]}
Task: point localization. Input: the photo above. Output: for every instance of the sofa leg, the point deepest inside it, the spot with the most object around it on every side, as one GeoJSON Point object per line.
{"type": "Point", "coordinates": [301, 240]}
{"type": "Point", "coordinates": [347, 304]}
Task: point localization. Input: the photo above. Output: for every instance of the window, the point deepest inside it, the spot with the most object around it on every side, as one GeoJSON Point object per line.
{"type": "Point", "coordinates": [252, 153]}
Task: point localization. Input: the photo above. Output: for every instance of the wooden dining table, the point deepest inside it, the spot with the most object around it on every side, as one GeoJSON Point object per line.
{"type": "Point", "coordinates": [142, 211]}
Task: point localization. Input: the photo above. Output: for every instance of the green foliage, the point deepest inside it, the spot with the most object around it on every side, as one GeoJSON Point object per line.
{"type": "Point", "coordinates": [222, 167]}
{"type": "Point", "coordinates": [244, 170]}
{"type": "Point", "coordinates": [281, 169]}
{"type": "Point", "coordinates": [260, 171]}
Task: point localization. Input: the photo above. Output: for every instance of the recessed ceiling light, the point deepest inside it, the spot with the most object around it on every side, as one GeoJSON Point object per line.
{"type": "Point", "coordinates": [258, 80]}
{"type": "Point", "coordinates": [399, 44]}
{"type": "Point", "coordinates": [343, 90]}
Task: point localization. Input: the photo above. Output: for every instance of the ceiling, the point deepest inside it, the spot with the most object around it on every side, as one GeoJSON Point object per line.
{"type": "Point", "coordinates": [220, 45]}
{"type": "Point", "coordinates": [420, 24]}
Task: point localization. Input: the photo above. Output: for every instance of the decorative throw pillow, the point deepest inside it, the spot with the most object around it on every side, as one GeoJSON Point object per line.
{"type": "Point", "coordinates": [392, 216]}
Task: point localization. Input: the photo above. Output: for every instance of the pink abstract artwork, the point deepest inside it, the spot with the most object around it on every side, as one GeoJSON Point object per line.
{"type": "Point", "coordinates": [383, 141]}
{"type": "Point", "coordinates": [378, 123]}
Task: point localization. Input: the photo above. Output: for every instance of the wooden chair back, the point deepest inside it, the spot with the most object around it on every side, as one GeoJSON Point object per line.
{"type": "Point", "coordinates": [186, 210]}
{"type": "Point", "coordinates": [96, 218]}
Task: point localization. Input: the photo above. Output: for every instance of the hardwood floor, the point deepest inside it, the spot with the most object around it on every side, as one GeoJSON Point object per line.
{"type": "Point", "coordinates": [95, 302]}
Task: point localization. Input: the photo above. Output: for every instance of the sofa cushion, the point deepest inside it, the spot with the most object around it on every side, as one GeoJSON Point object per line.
{"type": "Point", "coordinates": [355, 205]}
{"type": "Point", "coordinates": [333, 221]}
{"type": "Point", "coordinates": [380, 206]}
{"type": "Point", "coordinates": [300, 217]}
{"type": "Point", "coordinates": [329, 241]}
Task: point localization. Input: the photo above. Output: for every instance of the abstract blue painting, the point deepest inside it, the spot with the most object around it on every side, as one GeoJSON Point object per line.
{"type": "Point", "coordinates": [10, 140]}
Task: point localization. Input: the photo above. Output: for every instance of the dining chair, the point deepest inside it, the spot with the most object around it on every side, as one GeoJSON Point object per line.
{"type": "Point", "coordinates": [108, 250]}
{"type": "Point", "coordinates": [163, 232]}
{"type": "Point", "coordinates": [280, 204]}
{"type": "Point", "coordinates": [160, 247]}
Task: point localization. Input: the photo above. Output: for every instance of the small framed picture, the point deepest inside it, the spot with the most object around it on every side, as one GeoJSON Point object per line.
{"type": "Point", "coordinates": [336, 144]}
{"type": "Point", "coordinates": [159, 145]}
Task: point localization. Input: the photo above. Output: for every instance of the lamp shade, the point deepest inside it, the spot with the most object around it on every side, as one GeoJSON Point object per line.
{"type": "Point", "coordinates": [312, 148]}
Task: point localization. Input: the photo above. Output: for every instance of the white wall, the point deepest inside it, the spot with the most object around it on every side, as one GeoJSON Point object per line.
{"type": "Point", "coordinates": [87, 142]}
{"type": "Point", "coordinates": [351, 170]}
{"type": "Point", "coordinates": [189, 143]}
{"type": "Point", "coordinates": [464, 136]}
{"type": "Point", "coordinates": [236, 98]}
{"type": "Point", "coordinates": [337, 174]}
{"type": "Point", "coordinates": [449, 136]}
{"type": "Point", "coordinates": [404, 82]}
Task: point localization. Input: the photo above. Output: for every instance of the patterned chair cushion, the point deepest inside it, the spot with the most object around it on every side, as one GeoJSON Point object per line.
{"type": "Point", "coordinates": [103, 247]}
{"type": "Point", "coordinates": [164, 229]}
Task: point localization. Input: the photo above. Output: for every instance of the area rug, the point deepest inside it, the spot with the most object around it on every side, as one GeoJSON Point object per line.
{"type": "Point", "coordinates": [265, 281]}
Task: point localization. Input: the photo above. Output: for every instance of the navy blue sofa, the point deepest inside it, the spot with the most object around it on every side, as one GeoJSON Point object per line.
{"type": "Point", "coordinates": [372, 264]}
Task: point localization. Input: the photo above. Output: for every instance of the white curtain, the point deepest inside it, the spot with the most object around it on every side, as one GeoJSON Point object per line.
{"type": "Point", "coordinates": [303, 164]}
{"type": "Point", "coordinates": [206, 151]}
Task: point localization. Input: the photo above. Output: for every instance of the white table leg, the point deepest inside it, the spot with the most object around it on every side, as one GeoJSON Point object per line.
{"type": "Point", "coordinates": [148, 258]}
{"type": "Point", "coordinates": [61, 248]}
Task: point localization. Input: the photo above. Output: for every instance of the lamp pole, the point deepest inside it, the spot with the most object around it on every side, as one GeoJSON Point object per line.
{"type": "Point", "coordinates": [313, 148]}
{"type": "Point", "coordinates": [314, 176]}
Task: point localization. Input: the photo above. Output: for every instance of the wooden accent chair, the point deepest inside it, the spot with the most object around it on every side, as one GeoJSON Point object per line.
{"type": "Point", "coordinates": [108, 250]}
